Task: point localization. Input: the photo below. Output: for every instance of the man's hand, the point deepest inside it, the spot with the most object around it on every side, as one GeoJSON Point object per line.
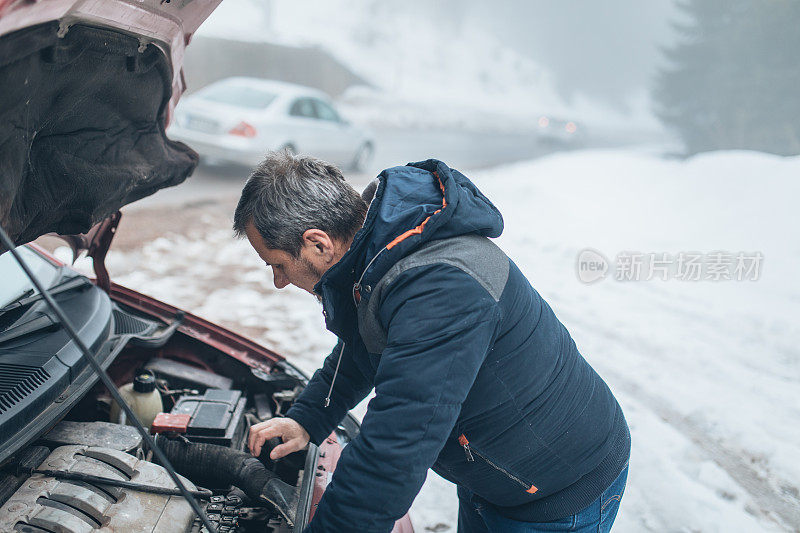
{"type": "Point", "coordinates": [294, 437]}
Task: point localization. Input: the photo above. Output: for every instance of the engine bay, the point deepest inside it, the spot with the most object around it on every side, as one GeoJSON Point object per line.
{"type": "Point", "coordinates": [92, 472]}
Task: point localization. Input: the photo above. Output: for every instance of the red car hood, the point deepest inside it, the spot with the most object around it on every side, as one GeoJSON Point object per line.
{"type": "Point", "coordinates": [86, 90]}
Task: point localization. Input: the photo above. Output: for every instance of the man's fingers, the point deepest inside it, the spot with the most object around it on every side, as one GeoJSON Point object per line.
{"type": "Point", "coordinates": [286, 448]}
{"type": "Point", "coordinates": [258, 436]}
{"type": "Point", "coordinates": [294, 437]}
{"type": "Point", "coordinates": [251, 438]}
{"type": "Point", "coordinates": [263, 436]}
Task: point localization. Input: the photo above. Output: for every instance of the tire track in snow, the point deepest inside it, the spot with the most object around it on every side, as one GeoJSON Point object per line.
{"type": "Point", "coordinates": [780, 504]}
{"type": "Point", "coordinates": [778, 499]}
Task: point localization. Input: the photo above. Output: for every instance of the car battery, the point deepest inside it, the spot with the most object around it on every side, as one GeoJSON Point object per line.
{"type": "Point", "coordinates": [216, 417]}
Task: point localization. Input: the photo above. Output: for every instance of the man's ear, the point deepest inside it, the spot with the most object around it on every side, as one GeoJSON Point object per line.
{"type": "Point", "coordinates": [321, 241]}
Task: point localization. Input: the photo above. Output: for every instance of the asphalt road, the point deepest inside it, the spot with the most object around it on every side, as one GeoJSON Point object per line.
{"type": "Point", "coordinates": [459, 149]}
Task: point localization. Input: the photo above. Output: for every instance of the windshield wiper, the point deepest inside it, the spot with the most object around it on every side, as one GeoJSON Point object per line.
{"type": "Point", "coordinates": [69, 284]}
{"type": "Point", "coordinates": [35, 324]}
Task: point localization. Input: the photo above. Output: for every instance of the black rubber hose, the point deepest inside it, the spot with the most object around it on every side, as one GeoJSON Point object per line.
{"type": "Point", "coordinates": [210, 464]}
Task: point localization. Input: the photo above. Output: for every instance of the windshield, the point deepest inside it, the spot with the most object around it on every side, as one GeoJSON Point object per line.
{"type": "Point", "coordinates": [15, 283]}
{"type": "Point", "coordinates": [238, 95]}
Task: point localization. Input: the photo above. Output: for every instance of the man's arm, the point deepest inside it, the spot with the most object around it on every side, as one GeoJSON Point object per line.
{"type": "Point", "coordinates": [440, 324]}
{"type": "Point", "coordinates": [315, 420]}
{"type": "Point", "coordinates": [351, 387]}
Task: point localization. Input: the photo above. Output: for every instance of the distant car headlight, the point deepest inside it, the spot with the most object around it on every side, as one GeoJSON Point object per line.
{"type": "Point", "coordinates": [243, 129]}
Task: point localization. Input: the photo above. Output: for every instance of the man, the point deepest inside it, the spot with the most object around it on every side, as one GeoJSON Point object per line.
{"type": "Point", "coordinates": [474, 376]}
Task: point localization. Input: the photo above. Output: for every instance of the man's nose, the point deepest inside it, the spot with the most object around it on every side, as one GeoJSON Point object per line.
{"type": "Point", "coordinates": [279, 279]}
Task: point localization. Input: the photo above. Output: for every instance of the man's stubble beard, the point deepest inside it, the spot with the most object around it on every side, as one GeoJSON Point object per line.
{"type": "Point", "coordinates": [317, 275]}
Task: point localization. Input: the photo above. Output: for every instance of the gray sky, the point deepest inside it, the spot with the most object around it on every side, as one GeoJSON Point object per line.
{"type": "Point", "coordinates": [608, 49]}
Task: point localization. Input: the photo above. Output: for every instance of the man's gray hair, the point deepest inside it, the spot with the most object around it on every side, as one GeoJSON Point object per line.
{"type": "Point", "coordinates": [287, 195]}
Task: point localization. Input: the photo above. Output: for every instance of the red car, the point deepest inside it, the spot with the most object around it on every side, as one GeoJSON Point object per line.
{"type": "Point", "coordinates": [87, 88]}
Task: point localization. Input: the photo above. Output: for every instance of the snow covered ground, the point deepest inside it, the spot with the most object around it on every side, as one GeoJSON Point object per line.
{"type": "Point", "coordinates": [707, 372]}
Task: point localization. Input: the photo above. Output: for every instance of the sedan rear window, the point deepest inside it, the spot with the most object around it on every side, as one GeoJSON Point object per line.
{"type": "Point", "coordinates": [238, 95]}
{"type": "Point", "coordinates": [326, 112]}
{"type": "Point", "coordinates": [303, 108]}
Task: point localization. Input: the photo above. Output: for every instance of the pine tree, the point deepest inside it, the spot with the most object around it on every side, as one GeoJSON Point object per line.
{"type": "Point", "coordinates": [733, 79]}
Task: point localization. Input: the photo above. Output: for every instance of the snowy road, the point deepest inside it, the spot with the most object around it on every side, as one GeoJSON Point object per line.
{"type": "Point", "coordinates": [707, 372]}
{"type": "Point", "coordinates": [461, 149]}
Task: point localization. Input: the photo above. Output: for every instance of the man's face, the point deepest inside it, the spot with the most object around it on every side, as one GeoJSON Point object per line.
{"type": "Point", "coordinates": [304, 271]}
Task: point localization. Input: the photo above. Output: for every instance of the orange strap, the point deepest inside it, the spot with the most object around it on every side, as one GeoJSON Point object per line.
{"type": "Point", "coordinates": [418, 229]}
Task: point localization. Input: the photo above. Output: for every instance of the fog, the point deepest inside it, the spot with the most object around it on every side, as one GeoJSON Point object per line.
{"type": "Point", "coordinates": [608, 50]}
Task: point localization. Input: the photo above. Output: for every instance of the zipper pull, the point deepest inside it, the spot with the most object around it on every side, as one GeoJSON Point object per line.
{"type": "Point", "coordinates": [327, 401]}
{"type": "Point", "coordinates": [465, 444]}
{"type": "Point", "coordinates": [470, 458]}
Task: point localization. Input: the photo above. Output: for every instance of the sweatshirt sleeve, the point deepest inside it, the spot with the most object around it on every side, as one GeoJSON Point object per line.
{"type": "Point", "coordinates": [440, 324]}
{"type": "Point", "coordinates": [352, 386]}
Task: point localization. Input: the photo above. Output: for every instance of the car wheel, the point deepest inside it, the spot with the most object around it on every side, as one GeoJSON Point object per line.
{"type": "Point", "coordinates": [363, 157]}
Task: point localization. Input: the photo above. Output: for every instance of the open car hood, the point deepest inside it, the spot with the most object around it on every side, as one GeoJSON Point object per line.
{"type": "Point", "coordinates": [87, 88]}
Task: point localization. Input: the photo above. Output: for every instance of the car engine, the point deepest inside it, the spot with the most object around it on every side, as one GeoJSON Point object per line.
{"type": "Point", "coordinates": [45, 503]}
{"type": "Point", "coordinates": [202, 427]}
{"type": "Point", "coordinates": [73, 463]}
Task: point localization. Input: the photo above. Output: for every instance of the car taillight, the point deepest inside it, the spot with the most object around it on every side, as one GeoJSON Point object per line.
{"type": "Point", "coordinates": [571, 127]}
{"type": "Point", "coordinates": [544, 122]}
{"type": "Point", "coordinates": [243, 129]}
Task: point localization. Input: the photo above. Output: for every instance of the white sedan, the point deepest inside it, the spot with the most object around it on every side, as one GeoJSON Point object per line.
{"type": "Point", "coordinates": [239, 119]}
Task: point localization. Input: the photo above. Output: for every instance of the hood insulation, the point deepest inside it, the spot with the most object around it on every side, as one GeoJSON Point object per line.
{"type": "Point", "coordinates": [82, 121]}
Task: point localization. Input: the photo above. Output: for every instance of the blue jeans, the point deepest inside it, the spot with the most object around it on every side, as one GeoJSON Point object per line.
{"type": "Point", "coordinates": [597, 517]}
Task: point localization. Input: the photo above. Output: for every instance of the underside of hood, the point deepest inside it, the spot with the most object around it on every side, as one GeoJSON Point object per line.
{"type": "Point", "coordinates": [82, 119]}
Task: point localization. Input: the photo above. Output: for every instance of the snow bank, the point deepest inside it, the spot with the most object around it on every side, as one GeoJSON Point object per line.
{"type": "Point", "coordinates": [708, 373]}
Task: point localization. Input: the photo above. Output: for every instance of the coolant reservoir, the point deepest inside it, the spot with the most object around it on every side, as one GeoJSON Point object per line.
{"type": "Point", "coordinates": [142, 396]}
